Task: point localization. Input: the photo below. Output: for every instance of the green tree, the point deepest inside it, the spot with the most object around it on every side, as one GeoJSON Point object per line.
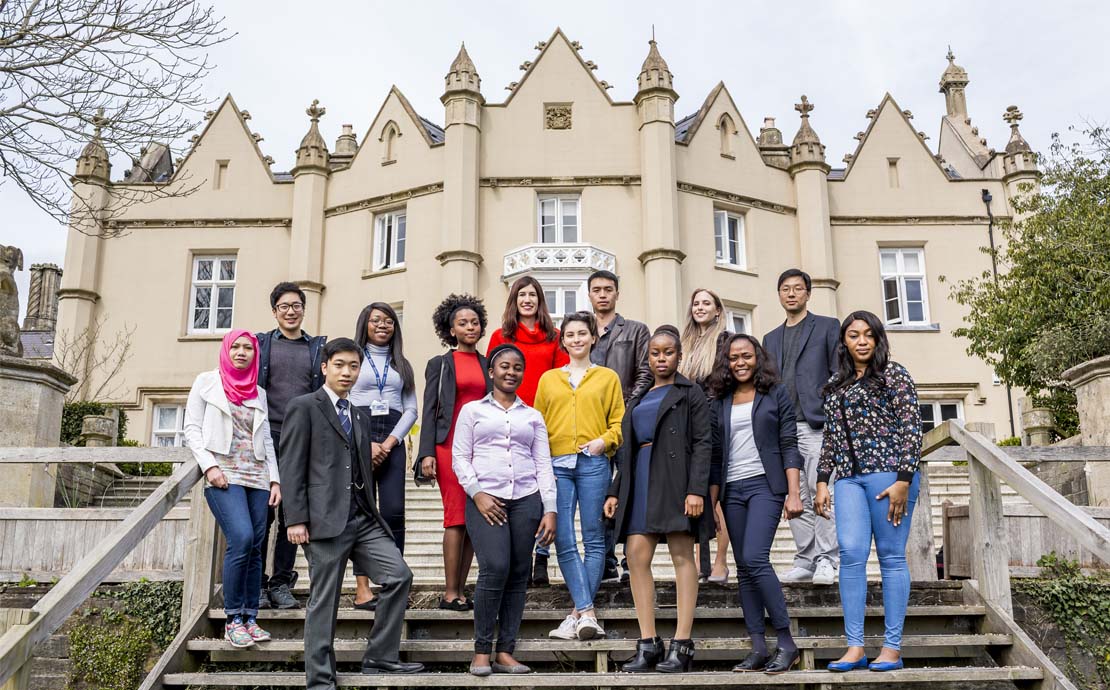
{"type": "Point", "coordinates": [1050, 307]}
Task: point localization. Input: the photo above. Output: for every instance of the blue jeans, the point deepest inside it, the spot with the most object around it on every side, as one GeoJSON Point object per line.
{"type": "Point", "coordinates": [859, 517]}
{"type": "Point", "coordinates": [241, 514]}
{"type": "Point", "coordinates": [585, 486]}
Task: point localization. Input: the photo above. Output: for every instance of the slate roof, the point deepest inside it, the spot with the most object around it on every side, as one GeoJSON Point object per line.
{"type": "Point", "coordinates": [37, 344]}
{"type": "Point", "coordinates": [434, 131]}
{"type": "Point", "coordinates": [682, 128]}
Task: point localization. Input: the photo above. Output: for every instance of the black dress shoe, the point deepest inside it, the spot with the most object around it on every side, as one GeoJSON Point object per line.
{"type": "Point", "coordinates": [680, 657]}
{"type": "Point", "coordinates": [539, 572]}
{"type": "Point", "coordinates": [782, 661]}
{"type": "Point", "coordinates": [382, 666]}
{"type": "Point", "coordinates": [370, 604]}
{"type": "Point", "coordinates": [754, 661]}
{"type": "Point", "coordinates": [649, 652]}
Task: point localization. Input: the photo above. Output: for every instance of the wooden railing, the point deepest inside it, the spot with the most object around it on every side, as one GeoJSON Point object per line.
{"type": "Point", "coordinates": [988, 466]}
{"type": "Point", "coordinates": [27, 628]}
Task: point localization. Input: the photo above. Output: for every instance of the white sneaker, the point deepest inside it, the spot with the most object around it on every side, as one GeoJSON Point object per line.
{"type": "Point", "coordinates": [825, 574]}
{"type": "Point", "coordinates": [588, 628]}
{"type": "Point", "coordinates": [567, 630]}
{"type": "Point", "coordinates": [798, 574]}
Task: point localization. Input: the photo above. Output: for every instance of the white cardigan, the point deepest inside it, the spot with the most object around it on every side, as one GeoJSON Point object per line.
{"type": "Point", "coordinates": [209, 427]}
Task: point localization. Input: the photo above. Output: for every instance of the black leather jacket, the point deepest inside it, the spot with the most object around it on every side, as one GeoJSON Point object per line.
{"type": "Point", "coordinates": [627, 355]}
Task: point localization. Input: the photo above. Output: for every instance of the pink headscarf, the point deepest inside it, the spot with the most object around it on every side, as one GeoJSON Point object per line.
{"type": "Point", "coordinates": [239, 384]}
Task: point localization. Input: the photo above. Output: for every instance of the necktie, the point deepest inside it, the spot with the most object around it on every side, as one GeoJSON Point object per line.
{"type": "Point", "coordinates": [344, 417]}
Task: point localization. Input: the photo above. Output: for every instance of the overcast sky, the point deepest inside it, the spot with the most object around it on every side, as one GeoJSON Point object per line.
{"type": "Point", "coordinates": [1048, 58]}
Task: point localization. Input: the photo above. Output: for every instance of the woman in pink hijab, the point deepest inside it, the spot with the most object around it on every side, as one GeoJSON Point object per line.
{"type": "Point", "coordinates": [228, 429]}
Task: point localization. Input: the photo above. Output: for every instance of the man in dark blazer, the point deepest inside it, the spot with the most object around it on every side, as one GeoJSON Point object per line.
{"type": "Point", "coordinates": [330, 509]}
{"type": "Point", "coordinates": [804, 350]}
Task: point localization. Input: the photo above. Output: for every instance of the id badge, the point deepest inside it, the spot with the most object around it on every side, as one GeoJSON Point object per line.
{"type": "Point", "coordinates": [379, 408]}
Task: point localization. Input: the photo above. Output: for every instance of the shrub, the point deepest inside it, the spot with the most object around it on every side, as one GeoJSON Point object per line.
{"type": "Point", "coordinates": [73, 413]}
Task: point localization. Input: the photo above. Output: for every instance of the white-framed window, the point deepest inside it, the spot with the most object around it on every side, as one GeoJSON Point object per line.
{"type": "Point", "coordinates": [728, 237]}
{"type": "Point", "coordinates": [934, 412]}
{"type": "Point", "coordinates": [905, 296]}
{"type": "Point", "coordinates": [559, 220]}
{"type": "Point", "coordinates": [168, 427]}
{"type": "Point", "coordinates": [739, 321]}
{"type": "Point", "coordinates": [389, 240]}
{"type": "Point", "coordinates": [212, 295]}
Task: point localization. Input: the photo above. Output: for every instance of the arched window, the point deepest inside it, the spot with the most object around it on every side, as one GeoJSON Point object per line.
{"type": "Point", "coordinates": [728, 131]}
{"type": "Point", "coordinates": [389, 138]}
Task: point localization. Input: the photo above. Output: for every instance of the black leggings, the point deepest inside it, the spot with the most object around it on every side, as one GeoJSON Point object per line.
{"type": "Point", "coordinates": [389, 479]}
{"type": "Point", "coordinates": [504, 555]}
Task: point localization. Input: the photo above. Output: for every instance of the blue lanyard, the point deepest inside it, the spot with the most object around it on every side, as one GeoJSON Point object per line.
{"type": "Point", "coordinates": [378, 378]}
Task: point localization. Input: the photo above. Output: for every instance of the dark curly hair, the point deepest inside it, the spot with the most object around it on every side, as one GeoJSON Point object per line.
{"type": "Point", "coordinates": [721, 381]}
{"type": "Point", "coordinates": [845, 374]}
{"type": "Point", "coordinates": [445, 314]}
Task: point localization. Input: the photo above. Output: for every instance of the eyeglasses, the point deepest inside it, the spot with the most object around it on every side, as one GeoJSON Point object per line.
{"type": "Point", "coordinates": [295, 307]}
{"type": "Point", "coordinates": [792, 289]}
{"type": "Point", "coordinates": [382, 322]}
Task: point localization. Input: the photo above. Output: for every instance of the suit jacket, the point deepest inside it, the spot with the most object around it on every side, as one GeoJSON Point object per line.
{"type": "Point", "coordinates": [439, 400]}
{"type": "Point", "coordinates": [316, 465]}
{"type": "Point", "coordinates": [776, 436]}
{"type": "Point", "coordinates": [680, 460]}
{"type": "Point", "coordinates": [627, 355]}
{"type": "Point", "coordinates": [815, 364]}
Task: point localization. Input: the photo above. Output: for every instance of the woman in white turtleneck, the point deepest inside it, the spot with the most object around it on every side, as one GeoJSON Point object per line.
{"type": "Point", "coordinates": [386, 393]}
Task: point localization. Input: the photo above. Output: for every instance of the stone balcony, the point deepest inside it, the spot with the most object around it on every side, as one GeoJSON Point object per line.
{"type": "Point", "coordinates": [571, 257]}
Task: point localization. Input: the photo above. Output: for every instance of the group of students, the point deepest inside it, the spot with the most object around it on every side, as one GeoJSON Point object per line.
{"type": "Point", "coordinates": [650, 437]}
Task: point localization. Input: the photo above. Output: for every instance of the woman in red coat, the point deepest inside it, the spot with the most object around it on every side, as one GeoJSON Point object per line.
{"type": "Point", "coordinates": [528, 325]}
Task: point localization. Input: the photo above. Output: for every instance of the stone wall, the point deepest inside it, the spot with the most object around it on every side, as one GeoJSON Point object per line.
{"type": "Point", "coordinates": [1066, 478]}
{"type": "Point", "coordinates": [1039, 626]}
{"type": "Point", "coordinates": [81, 486]}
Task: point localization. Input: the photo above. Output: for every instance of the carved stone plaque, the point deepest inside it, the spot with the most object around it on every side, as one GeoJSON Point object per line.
{"type": "Point", "coordinates": [557, 116]}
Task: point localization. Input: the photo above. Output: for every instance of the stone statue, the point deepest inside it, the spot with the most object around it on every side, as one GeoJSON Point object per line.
{"type": "Point", "coordinates": [11, 260]}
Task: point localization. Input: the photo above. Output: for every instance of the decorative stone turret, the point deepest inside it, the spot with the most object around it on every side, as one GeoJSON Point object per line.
{"type": "Point", "coordinates": [346, 146]}
{"type": "Point", "coordinates": [774, 152]}
{"type": "Point", "coordinates": [1019, 159]}
{"type": "Point", "coordinates": [462, 102]}
{"type": "Point", "coordinates": [662, 255]}
{"type": "Point", "coordinates": [807, 149]}
{"type": "Point", "coordinates": [313, 151]}
{"type": "Point", "coordinates": [93, 164]}
{"type": "Point", "coordinates": [306, 237]}
{"type": "Point", "coordinates": [952, 84]}
{"type": "Point", "coordinates": [810, 173]}
{"type": "Point", "coordinates": [42, 298]}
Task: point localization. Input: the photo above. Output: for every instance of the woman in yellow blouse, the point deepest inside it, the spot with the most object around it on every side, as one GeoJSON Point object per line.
{"type": "Point", "coordinates": [582, 405]}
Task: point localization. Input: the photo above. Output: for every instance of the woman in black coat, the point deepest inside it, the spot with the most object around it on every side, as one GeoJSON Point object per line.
{"type": "Point", "coordinates": [667, 438]}
{"type": "Point", "coordinates": [756, 461]}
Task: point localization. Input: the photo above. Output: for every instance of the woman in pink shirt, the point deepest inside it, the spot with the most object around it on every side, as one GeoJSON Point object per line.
{"type": "Point", "coordinates": [502, 459]}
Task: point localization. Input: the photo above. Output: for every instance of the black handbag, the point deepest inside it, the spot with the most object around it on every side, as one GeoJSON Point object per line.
{"type": "Point", "coordinates": [418, 466]}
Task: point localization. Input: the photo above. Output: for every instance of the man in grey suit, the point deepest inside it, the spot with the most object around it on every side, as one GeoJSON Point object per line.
{"type": "Point", "coordinates": [804, 349]}
{"type": "Point", "coordinates": [326, 470]}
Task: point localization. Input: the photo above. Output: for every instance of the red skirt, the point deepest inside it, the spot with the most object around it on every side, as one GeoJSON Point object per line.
{"type": "Point", "coordinates": [452, 493]}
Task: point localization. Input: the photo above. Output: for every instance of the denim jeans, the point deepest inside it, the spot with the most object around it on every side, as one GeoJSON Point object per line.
{"type": "Point", "coordinates": [241, 514]}
{"type": "Point", "coordinates": [859, 517]}
{"type": "Point", "coordinates": [504, 562]}
{"type": "Point", "coordinates": [585, 486]}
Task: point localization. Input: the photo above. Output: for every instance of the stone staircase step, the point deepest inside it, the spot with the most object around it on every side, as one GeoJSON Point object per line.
{"type": "Point", "coordinates": [961, 675]}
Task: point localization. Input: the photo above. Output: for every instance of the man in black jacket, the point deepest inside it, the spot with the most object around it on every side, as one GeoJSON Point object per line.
{"type": "Point", "coordinates": [623, 347]}
{"type": "Point", "coordinates": [804, 349]}
{"type": "Point", "coordinates": [288, 367]}
{"type": "Point", "coordinates": [330, 508]}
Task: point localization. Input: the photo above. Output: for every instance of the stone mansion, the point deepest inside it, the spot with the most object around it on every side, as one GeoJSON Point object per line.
{"type": "Point", "coordinates": [555, 181]}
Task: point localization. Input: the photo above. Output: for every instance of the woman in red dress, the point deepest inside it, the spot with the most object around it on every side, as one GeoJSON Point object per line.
{"type": "Point", "coordinates": [527, 324]}
{"type": "Point", "coordinates": [451, 380]}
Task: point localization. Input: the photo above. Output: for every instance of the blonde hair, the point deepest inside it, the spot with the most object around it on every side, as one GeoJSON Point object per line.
{"type": "Point", "coordinates": [700, 348]}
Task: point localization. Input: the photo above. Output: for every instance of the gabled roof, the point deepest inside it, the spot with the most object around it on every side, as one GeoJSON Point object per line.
{"type": "Point", "coordinates": [543, 51]}
{"type": "Point", "coordinates": [687, 127]}
{"type": "Point", "coordinates": [227, 102]}
{"type": "Point", "coordinates": [432, 133]}
{"type": "Point", "coordinates": [888, 101]}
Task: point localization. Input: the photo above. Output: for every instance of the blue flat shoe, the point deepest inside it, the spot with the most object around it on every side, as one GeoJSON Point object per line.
{"type": "Point", "coordinates": [886, 665]}
{"type": "Point", "coordinates": [845, 666]}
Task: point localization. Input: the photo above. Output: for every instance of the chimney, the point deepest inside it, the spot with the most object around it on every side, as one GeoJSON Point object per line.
{"type": "Point", "coordinates": [42, 298]}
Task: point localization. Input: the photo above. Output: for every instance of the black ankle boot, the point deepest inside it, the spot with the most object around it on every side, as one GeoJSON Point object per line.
{"type": "Point", "coordinates": [680, 657]}
{"type": "Point", "coordinates": [539, 572]}
{"type": "Point", "coordinates": [649, 652]}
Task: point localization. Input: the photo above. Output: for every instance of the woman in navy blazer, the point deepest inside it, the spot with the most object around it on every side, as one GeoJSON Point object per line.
{"type": "Point", "coordinates": [755, 473]}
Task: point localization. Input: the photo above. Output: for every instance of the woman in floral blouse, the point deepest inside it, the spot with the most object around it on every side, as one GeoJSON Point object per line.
{"type": "Point", "coordinates": [872, 443]}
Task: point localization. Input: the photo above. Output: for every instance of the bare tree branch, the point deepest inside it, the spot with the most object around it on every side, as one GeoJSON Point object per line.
{"type": "Point", "coordinates": [61, 61]}
{"type": "Point", "coordinates": [96, 359]}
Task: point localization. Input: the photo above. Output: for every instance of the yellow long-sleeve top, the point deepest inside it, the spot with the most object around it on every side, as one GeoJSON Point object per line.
{"type": "Point", "coordinates": [576, 416]}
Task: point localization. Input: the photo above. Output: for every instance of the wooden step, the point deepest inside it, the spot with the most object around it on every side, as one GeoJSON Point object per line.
{"type": "Point", "coordinates": [963, 675]}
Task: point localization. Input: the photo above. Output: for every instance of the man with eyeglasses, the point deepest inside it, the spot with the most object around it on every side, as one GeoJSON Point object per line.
{"type": "Point", "coordinates": [804, 349]}
{"type": "Point", "coordinates": [288, 366]}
